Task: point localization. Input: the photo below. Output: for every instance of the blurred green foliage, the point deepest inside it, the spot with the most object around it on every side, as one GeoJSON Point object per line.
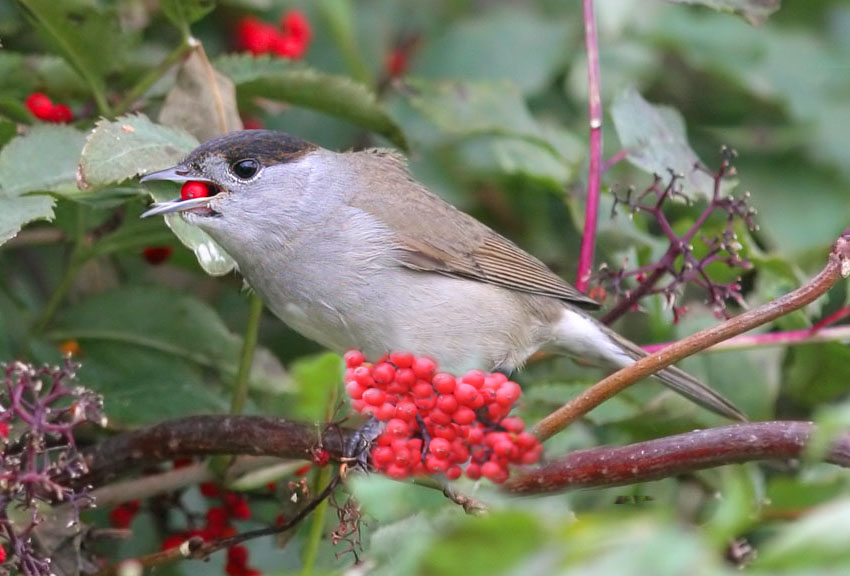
{"type": "Point", "coordinates": [492, 110]}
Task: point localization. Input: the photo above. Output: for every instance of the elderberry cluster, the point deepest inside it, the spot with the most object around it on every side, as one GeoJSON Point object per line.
{"type": "Point", "coordinates": [436, 423]}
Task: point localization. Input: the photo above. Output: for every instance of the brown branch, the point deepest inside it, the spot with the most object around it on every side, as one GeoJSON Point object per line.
{"type": "Point", "coordinates": [673, 455]}
{"type": "Point", "coordinates": [209, 435]}
{"type": "Point", "coordinates": [837, 267]}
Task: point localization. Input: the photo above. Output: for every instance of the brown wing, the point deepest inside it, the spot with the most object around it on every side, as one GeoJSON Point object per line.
{"type": "Point", "coordinates": [448, 241]}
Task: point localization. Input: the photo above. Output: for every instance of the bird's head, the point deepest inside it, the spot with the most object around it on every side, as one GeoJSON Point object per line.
{"type": "Point", "coordinates": [252, 175]}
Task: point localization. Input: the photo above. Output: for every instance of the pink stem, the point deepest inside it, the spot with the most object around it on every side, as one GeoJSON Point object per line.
{"type": "Point", "coordinates": [588, 240]}
{"type": "Point", "coordinates": [805, 336]}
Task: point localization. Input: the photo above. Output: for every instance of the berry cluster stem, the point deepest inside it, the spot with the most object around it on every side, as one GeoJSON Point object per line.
{"type": "Point", "coordinates": [594, 176]}
{"type": "Point", "coordinates": [837, 267]}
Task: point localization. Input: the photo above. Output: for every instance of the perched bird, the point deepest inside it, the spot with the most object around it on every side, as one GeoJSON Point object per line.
{"type": "Point", "coordinates": [349, 250]}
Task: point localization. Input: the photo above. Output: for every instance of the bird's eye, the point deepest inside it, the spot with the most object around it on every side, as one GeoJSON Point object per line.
{"type": "Point", "coordinates": [245, 169]}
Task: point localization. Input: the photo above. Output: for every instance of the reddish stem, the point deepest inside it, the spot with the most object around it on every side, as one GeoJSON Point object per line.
{"type": "Point", "coordinates": [588, 240]}
{"type": "Point", "coordinates": [673, 455]}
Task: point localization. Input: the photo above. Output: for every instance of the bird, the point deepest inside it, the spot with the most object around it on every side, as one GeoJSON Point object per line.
{"type": "Point", "coordinates": [351, 251]}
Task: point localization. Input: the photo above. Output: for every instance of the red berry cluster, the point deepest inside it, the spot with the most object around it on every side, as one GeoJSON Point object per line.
{"type": "Point", "coordinates": [195, 189]}
{"type": "Point", "coordinates": [290, 40]}
{"type": "Point", "coordinates": [465, 419]}
{"type": "Point", "coordinates": [43, 108]}
{"type": "Point", "coordinates": [218, 524]}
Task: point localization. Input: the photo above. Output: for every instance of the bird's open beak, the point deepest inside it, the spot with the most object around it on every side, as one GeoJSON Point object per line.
{"type": "Point", "coordinates": [175, 174]}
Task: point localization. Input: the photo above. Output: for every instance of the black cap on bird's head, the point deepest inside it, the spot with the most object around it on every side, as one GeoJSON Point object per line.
{"type": "Point", "coordinates": [230, 159]}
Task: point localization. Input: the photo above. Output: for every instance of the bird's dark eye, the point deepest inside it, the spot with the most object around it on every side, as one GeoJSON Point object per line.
{"type": "Point", "coordinates": [245, 169]}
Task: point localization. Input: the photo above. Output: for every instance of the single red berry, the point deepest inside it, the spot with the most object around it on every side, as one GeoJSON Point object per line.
{"type": "Point", "coordinates": [173, 541]}
{"type": "Point", "coordinates": [209, 490]}
{"type": "Point", "coordinates": [397, 471]}
{"type": "Point", "coordinates": [374, 396]}
{"type": "Point", "coordinates": [4, 429]}
{"type": "Point", "coordinates": [491, 470]}
{"type": "Point", "coordinates": [425, 404]}
{"type": "Point", "coordinates": [295, 24]}
{"type": "Point", "coordinates": [513, 424]}
{"type": "Point", "coordinates": [237, 555]}
{"type": "Point", "coordinates": [406, 410]}
{"type": "Point", "coordinates": [182, 462]}
{"type": "Point", "coordinates": [217, 516]}
{"type": "Point", "coordinates": [321, 457]}
{"type": "Point", "coordinates": [440, 447]}
{"type": "Point", "coordinates": [383, 373]}
{"type": "Point", "coordinates": [401, 359]}
{"type": "Point", "coordinates": [363, 376]}
{"type": "Point", "coordinates": [255, 36]}
{"type": "Point", "coordinates": [354, 358]}
{"type": "Point", "coordinates": [437, 416]}
{"type": "Point", "coordinates": [398, 428]}
{"type": "Point", "coordinates": [402, 457]}
{"type": "Point", "coordinates": [354, 390]}
{"type": "Point", "coordinates": [526, 441]}
{"type": "Point", "coordinates": [436, 465]}
{"type": "Point", "coordinates": [447, 404]}
{"type": "Point", "coordinates": [444, 383]}
{"type": "Point", "coordinates": [237, 505]}
{"type": "Point", "coordinates": [463, 415]}
{"type": "Point", "coordinates": [449, 432]}
{"type": "Point", "coordinates": [382, 456]}
{"type": "Point", "coordinates": [415, 445]}
{"type": "Point", "coordinates": [252, 124]}
{"type": "Point", "coordinates": [121, 517]}
{"type": "Point", "coordinates": [396, 63]}
{"type": "Point", "coordinates": [476, 435]}
{"type": "Point", "coordinates": [386, 411]}
{"type": "Point", "coordinates": [60, 114]}
{"type": "Point", "coordinates": [155, 255]}
{"type": "Point", "coordinates": [474, 378]}
{"type": "Point", "coordinates": [422, 389]}
{"type": "Point", "coordinates": [454, 472]}
{"type": "Point", "coordinates": [405, 377]}
{"type": "Point", "coordinates": [40, 105]}
{"type": "Point", "coordinates": [508, 393]}
{"type": "Point", "coordinates": [2, 554]}
{"type": "Point", "coordinates": [466, 394]}
{"type": "Point", "coordinates": [424, 368]}
{"type": "Point", "coordinates": [473, 471]}
{"type": "Point", "coordinates": [287, 46]}
{"type": "Point", "coordinates": [194, 189]}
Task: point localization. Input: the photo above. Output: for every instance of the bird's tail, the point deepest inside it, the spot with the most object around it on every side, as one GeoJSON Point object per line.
{"type": "Point", "coordinates": [584, 337]}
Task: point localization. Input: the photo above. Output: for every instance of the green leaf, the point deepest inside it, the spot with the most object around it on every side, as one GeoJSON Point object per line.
{"type": "Point", "coordinates": [510, 43]}
{"type": "Point", "coordinates": [468, 548]}
{"type": "Point", "coordinates": [184, 12]}
{"type": "Point", "coordinates": [45, 159]}
{"type": "Point", "coordinates": [179, 340]}
{"type": "Point", "coordinates": [494, 125]}
{"type": "Point", "coordinates": [754, 11]}
{"type": "Point", "coordinates": [317, 378]}
{"type": "Point", "coordinates": [129, 146]}
{"type": "Point", "coordinates": [296, 84]}
{"type": "Point", "coordinates": [15, 212]}
{"type": "Point", "coordinates": [42, 160]}
{"type": "Point", "coordinates": [817, 541]}
{"type": "Point", "coordinates": [656, 141]}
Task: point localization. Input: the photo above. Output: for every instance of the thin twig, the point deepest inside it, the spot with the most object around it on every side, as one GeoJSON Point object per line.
{"type": "Point", "coordinates": [837, 267]}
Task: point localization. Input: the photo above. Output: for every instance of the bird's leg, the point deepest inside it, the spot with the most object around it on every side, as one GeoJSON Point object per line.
{"type": "Point", "coordinates": [361, 441]}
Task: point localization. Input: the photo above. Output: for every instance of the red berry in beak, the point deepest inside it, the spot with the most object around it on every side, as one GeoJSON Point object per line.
{"type": "Point", "coordinates": [195, 189]}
